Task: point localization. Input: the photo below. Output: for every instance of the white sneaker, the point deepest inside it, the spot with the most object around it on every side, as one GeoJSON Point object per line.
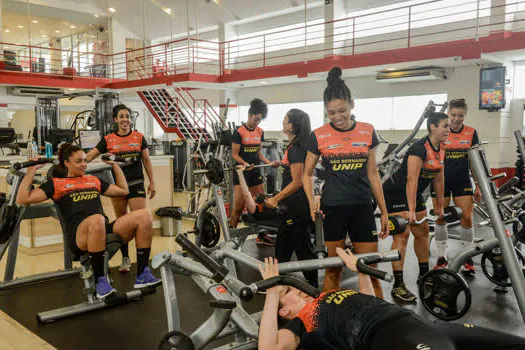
{"type": "Point", "coordinates": [125, 266]}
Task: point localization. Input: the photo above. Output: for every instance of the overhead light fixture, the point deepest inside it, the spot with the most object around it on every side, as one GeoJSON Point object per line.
{"type": "Point", "coordinates": [57, 31]}
{"type": "Point", "coordinates": [111, 9]}
{"type": "Point", "coordinates": [264, 82]}
{"type": "Point", "coordinates": [43, 36]}
{"type": "Point", "coordinates": [96, 16]}
{"type": "Point", "coordinates": [167, 10]}
{"type": "Point", "coordinates": [406, 75]}
{"type": "Point", "coordinates": [72, 27]}
{"type": "Point", "coordinates": [34, 21]}
{"type": "Point", "coordinates": [20, 26]}
{"type": "Point", "coordinates": [7, 31]}
{"type": "Point", "coordinates": [390, 69]}
{"type": "Point", "coordinates": [72, 89]}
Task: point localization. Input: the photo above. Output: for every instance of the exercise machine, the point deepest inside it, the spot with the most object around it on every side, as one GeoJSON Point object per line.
{"type": "Point", "coordinates": [221, 284]}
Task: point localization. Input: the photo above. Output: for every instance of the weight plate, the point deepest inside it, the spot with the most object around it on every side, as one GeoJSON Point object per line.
{"type": "Point", "coordinates": [210, 232]}
{"type": "Point", "coordinates": [445, 294]}
{"type": "Point", "coordinates": [176, 340]}
{"type": "Point", "coordinates": [493, 267]}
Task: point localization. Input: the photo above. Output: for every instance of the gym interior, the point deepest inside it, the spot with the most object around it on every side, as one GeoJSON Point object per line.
{"type": "Point", "coordinates": [188, 71]}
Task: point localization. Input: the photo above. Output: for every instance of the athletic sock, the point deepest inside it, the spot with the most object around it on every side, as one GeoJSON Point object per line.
{"type": "Point", "coordinates": [124, 249]}
{"type": "Point", "coordinates": [142, 259]}
{"type": "Point", "coordinates": [97, 263]}
{"type": "Point", "coordinates": [398, 278]}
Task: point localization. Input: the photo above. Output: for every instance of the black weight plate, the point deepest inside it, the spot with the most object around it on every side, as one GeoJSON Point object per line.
{"type": "Point", "coordinates": [445, 294]}
{"type": "Point", "coordinates": [494, 268]}
{"type": "Point", "coordinates": [176, 341]}
{"type": "Point", "coordinates": [210, 232]}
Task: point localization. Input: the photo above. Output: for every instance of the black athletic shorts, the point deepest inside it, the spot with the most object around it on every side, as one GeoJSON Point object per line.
{"type": "Point", "coordinates": [355, 220]}
{"type": "Point", "coordinates": [252, 177]}
{"type": "Point", "coordinates": [396, 200]}
{"type": "Point", "coordinates": [72, 227]}
{"type": "Point", "coordinates": [457, 188]}
{"type": "Point", "coordinates": [136, 190]}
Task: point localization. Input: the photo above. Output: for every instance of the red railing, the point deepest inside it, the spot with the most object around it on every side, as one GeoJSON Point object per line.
{"type": "Point", "coordinates": [377, 30]}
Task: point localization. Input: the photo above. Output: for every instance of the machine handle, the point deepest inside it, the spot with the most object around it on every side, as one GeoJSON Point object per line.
{"type": "Point", "coordinates": [247, 293]}
{"type": "Point", "coordinates": [30, 163]}
{"type": "Point", "coordinates": [219, 271]}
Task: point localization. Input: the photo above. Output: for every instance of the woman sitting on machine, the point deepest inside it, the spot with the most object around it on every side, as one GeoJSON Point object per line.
{"type": "Point", "coordinates": [347, 319]}
{"type": "Point", "coordinates": [295, 226]}
{"type": "Point", "coordinates": [78, 198]}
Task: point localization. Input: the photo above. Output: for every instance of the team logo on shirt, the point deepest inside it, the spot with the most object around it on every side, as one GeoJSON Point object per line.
{"type": "Point", "coordinates": [359, 144]}
{"type": "Point", "coordinates": [464, 142]}
{"type": "Point", "coordinates": [134, 145]}
{"type": "Point", "coordinates": [364, 132]}
{"type": "Point", "coordinates": [323, 136]}
{"type": "Point", "coordinates": [68, 186]}
{"type": "Point", "coordinates": [334, 146]}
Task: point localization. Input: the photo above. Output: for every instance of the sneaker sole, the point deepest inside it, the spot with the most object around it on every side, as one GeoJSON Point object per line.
{"type": "Point", "coordinates": [144, 285]}
{"type": "Point", "coordinates": [398, 298]}
{"type": "Point", "coordinates": [102, 297]}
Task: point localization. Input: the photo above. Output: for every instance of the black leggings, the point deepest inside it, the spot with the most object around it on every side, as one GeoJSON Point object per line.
{"type": "Point", "coordinates": [412, 333]}
{"type": "Point", "coordinates": [295, 236]}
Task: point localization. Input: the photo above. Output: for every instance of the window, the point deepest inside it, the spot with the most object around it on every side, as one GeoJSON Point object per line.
{"type": "Point", "coordinates": [276, 113]}
{"type": "Point", "coordinates": [394, 113]}
{"type": "Point", "coordinates": [519, 78]}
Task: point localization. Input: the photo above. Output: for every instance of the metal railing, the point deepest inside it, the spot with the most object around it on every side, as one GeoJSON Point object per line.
{"type": "Point", "coordinates": [431, 22]}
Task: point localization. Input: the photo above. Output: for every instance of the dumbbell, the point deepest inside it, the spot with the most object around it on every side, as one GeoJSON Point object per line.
{"type": "Point", "coordinates": [398, 224]}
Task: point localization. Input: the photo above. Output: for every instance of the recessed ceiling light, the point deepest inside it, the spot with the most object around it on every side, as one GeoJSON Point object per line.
{"type": "Point", "coordinates": [7, 31]}
{"type": "Point", "coordinates": [264, 82]}
{"type": "Point", "coordinates": [111, 9]}
{"type": "Point", "coordinates": [72, 89]}
{"type": "Point", "coordinates": [57, 31]}
{"type": "Point", "coordinates": [72, 27]}
{"type": "Point", "coordinates": [43, 36]}
{"type": "Point", "coordinates": [167, 10]}
{"type": "Point", "coordinates": [20, 26]}
{"type": "Point", "coordinates": [96, 16]}
{"type": "Point", "coordinates": [390, 69]}
{"type": "Point", "coordinates": [34, 21]}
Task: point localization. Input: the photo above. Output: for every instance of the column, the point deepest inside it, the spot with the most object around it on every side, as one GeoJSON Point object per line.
{"type": "Point", "coordinates": [497, 16]}
{"type": "Point", "coordinates": [226, 32]}
{"type": "Point", "coordinates": [333, 10]}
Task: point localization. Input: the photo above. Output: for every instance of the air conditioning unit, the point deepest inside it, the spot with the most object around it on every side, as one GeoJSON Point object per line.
{"type": "Point", "coordinates": [35, 91]}
{"type": "Point", "coordinates": [406, 75]}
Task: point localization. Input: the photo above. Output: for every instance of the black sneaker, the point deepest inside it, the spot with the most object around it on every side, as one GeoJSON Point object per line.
{"type": "Point", "coordinates": [401, 293]}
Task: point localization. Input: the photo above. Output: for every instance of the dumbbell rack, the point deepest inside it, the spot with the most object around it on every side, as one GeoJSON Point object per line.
{"type": "Point", "coordinates": [481, 171]}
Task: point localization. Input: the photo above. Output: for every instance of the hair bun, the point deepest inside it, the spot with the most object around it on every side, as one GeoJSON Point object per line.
{"type": "Point", "coordinates": [334, 76]}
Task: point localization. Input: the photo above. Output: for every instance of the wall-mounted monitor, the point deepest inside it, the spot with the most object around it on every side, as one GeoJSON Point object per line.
{"type": "Point", "coordinates": [492, 88]}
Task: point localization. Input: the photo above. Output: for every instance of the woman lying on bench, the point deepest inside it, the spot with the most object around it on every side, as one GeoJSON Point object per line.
{"type": "Point", "coordinates": [347, 319]}
{"type": "Point", "coordinates": [78, 198]}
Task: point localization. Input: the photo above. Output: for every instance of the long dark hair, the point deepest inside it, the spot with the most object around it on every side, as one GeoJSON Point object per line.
{"type": "Point", "coordinates": [336, 88]}
{"type": "Point", "coordinates": [64, 152]}
{"type": "Point", "coordinates": [300, 126]}
{"type": "Point", "coordinates": [117, 109]}
{"type": "Point", "coordinates": [434, 119]}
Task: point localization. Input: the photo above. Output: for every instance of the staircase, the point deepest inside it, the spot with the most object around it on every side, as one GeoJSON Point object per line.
{"type": "Point", "coordinates": [177, 111]}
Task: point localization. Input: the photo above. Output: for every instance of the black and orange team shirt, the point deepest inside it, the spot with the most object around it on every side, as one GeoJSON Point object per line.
{"type": "Point", "coordinates": [250, 141]}
{"type": "Point", "coordinates": [76, 197]}
{"type": "Point", "coordinates": [127, 146]}
{"type": "Point", "coordinates": [433, 162]}
{"type": "Point", "coordinates": [456, 153]}
{"type": "Point", "coordinates": [344, 155]}
{"type": "Point", "coordinates": [342, 319]}
{"type": "Point", "coordinates": [292, 155]}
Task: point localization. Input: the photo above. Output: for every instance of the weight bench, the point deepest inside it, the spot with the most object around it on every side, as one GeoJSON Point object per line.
{"type": "Point", "coordinates": [269, 224]}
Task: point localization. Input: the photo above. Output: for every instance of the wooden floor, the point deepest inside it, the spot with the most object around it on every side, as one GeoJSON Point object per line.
{"type": "Point", "coordinates": [12, 334]}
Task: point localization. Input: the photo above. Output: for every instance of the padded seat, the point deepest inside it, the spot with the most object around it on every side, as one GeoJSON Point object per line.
{"type": "Point", "coordinates": [113, 243]}
{"type": "Point", "coordinates": [250, 220]}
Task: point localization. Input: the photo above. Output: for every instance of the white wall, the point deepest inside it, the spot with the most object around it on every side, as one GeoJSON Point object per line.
{"type": "Point", "coordinates": [461, 82]}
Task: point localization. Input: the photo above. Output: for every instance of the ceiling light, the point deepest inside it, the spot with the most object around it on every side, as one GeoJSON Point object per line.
{"type": "Point", "coordinates": [167, 10]}
{"type": "Point", "coordinates": [111, 9]}
{"type": "Point", "coordinates": [43, 36]}
{"type": "Point", "coordinates": [7, 31]}
{"type": "Point", "coordinates": [72, 27]}
{"type": "Point", "coordinates": [72, 89]}
{"type": "Point", "coordinates": [93, 36]}
{"type": "Point", "coordinates": [390, 69]}
{"type": "Point", "coordinates": [57, 31]}
{"type": "Point", "coordinates": [34, 21]}
{"type": "Point", "coordinates": [20, 26]}
{"type": "Point", "coordinates": [96, 16]}
{"type": "Point", "coordinates": [264, 82]}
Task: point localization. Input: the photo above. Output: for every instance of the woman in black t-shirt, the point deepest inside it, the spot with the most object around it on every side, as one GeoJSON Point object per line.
{"type": "Point", "coordinates": [347, 319]}
{"type": "Point", "coordinates": [78, 197]}
{"type": "Point", "coordinates": [295, 225]}
{"type": "Point", "coordinates": [128, 143]}
{"type": "Point", "coordinates": [348, 152]}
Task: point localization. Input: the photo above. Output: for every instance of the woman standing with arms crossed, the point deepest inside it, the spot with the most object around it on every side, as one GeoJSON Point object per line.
{"type": "Point", "coordinates": [348, 151]}
{"type": "Point", "coordinates": [128, 144]}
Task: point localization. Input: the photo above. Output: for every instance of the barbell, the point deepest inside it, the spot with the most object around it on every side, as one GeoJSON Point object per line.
{"type": "Point", "coordinates": [398, 224]}
{"type": "Point", "coordinates": [214, 171]}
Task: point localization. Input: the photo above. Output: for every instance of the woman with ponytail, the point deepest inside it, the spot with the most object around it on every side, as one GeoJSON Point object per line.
{"type": "Point", "coordinates": [348, 151]}
{"type": "Point", "coordinates": [295, 225]}
{"type": "Point", "coordinates": [77, 196]}
{"type": "Point", "coordinates": [128, 143]}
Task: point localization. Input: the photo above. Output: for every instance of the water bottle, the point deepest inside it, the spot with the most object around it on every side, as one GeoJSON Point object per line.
{"type": "Point", "coordinates": [35, 149]}
{"type": "Point", "coordinates": [30, 149]}
{"type": "Point", "coordinates": [49, 150]}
